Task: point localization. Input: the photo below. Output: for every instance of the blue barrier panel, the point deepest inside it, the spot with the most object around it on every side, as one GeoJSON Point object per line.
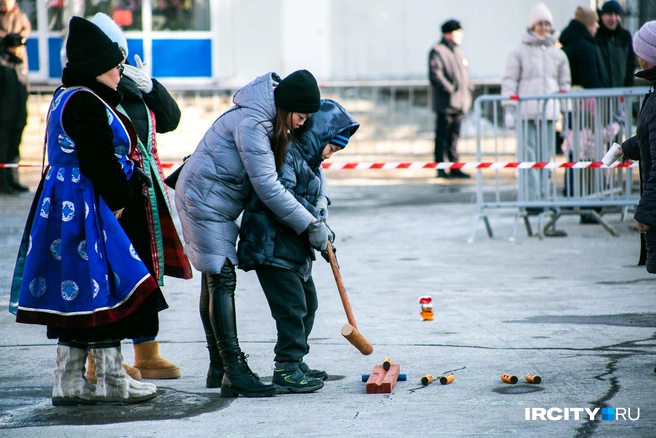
{"type": "Point", "coordinates": [32, 46]}
{"type": "Point", "coordinates": [54, 57]}
{"type": "Point", "coordinates": [182, 58]}
{"type": "Point", "coordinates": [135, 47]}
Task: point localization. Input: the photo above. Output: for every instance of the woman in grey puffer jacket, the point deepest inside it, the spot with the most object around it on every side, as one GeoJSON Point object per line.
{"type": "Point", "coordinates": [536, 66]}
{"type": "Point", "coordinates": [235, 156]}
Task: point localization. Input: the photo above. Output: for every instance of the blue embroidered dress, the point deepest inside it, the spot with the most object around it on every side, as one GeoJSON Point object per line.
{"type": "Point", "coordinates": [76, 267]}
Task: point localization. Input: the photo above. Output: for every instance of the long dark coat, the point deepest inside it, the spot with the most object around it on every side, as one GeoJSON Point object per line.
{"type": "Point", "coordinates": [584, 63]}
{"type": "Point", "coordinates": [642, 146]}
{"type": "Point", "coordinates": [148, 221]}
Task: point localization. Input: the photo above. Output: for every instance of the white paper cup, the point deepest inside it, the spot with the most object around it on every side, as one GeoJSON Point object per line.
{"type": "Point", "coordinates": [612, 155]}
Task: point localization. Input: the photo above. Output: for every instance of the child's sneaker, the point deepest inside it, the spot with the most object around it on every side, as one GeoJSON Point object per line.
{"type": "Point", "coordinates": [288, 377]}
{"type": "Point", "coordinates": [309, 372]}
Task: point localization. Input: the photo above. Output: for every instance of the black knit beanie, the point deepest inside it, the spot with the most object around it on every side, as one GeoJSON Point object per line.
{"type": "Point", "coordinates": [298, 93]}
{"type": "Point", "coordinates": [89, 50]}
{"type": "Point", "coordinates": [611, 7]}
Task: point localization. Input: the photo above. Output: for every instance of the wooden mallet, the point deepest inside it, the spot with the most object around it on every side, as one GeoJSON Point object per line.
{"type": "Point", "coordinates": [350, 330]}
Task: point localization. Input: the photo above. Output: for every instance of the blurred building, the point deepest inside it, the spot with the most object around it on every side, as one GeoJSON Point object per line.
{"type": "Point", "coordinates": [206, 42]}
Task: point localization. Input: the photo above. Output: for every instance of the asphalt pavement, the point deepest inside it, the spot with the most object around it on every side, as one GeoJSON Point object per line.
{"type": "Point", "coordinates": [575, 310]}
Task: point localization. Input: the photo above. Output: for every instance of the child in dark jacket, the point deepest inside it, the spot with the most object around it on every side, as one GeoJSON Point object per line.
{"type": "Point", "coordinates": [13, 109]}
{"type": "Point", "coordinates": [283, 259]}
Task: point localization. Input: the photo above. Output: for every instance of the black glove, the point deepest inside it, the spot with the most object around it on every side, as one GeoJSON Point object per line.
{"type": "Point", "coordinates": [324, 254]}
{"type": "Point", "coordinates": [142, 177]}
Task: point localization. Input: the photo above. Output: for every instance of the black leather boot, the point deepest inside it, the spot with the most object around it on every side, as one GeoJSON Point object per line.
{"type": "Point", "coordinates": [215, 371]}
{"type": "Point", "coordinates": [238, 379]}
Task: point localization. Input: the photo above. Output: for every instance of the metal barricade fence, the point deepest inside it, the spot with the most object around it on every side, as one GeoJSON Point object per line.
{"type": "Point", "coordinates": [396, 118]}
{"type": "Point", "coordinates": [527, 128]}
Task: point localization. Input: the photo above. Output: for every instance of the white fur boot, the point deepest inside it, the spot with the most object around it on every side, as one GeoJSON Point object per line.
{"type": "Point", "coordinates": [71, 388]}
{"type": "Point", "coordinates": [114, 384]}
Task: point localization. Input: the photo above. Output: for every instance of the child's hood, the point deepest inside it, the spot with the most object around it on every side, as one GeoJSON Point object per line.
{"type": "Point", "coordinates": [321, 128]}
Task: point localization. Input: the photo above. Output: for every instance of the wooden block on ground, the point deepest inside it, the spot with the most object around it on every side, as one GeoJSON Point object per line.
{"type": "Point", "coordinates": [382, 381]}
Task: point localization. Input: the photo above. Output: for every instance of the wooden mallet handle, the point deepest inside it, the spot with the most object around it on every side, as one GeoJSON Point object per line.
{"type": "Point", "coordinates": [350, 330]}
{"type": "Point", "coordinates": [340, 286]}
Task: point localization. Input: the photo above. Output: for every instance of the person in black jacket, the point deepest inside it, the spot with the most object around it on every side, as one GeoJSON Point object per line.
{"type": "Point", "coordinates": [579, 46]}
{"type": "Point", "coordinates": [151, 109]}
{"type": "Point", "coordinates": [13, 109]}
{"type": "Point", "coordinates": [614, 46]}
{"type": "Point", "coordinates": [586, 69]}
{"type": "Point", "coordinates": [642, 146]}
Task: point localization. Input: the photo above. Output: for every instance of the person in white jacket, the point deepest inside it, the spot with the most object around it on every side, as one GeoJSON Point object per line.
{"type": "Point", "coordinates": [536, 66]}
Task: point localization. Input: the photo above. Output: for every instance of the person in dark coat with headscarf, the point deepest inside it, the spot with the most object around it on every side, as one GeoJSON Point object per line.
{"type": "Point", "coordinates": [642, 146]}
{"type": "Point", "coordinates": [614, 45]}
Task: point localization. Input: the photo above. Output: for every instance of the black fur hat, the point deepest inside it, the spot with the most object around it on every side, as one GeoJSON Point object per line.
{"type": "Point", "coordinates": [89, 50]}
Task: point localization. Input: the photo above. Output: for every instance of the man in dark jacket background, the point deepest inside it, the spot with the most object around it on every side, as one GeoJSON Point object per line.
{"type": "Point", "coordinates": [448, 70]}
{"type": "Point", "coordinates": [579, 46]}
{"type": "Point", "coordinates": [587, 72]}
{"type": "Point", "coordinates": [615, 47]}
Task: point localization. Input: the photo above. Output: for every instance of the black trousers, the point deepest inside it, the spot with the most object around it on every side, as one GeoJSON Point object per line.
{"type": "Point", "coordinates": [10, 140]}
{"type": "Point", "coordinates": [447, 132]}
{"type": "Point", "coordinates": [293, 303]}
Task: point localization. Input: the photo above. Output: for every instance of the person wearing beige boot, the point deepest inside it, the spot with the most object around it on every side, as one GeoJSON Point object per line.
{"type": "Point", "coordinates": [77, 272]}
{"type": "Point", "coordinates": [147, 220]}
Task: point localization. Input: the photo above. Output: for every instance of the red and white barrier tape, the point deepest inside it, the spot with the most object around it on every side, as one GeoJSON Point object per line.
{"type": "Point", "coordinates": [475, 165]}
{"type": "Point", "coordinates": [427, 165]}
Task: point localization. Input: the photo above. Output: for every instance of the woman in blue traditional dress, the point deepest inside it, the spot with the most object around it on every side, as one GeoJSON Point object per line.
{"type": "Point", "coordinates": [77, 271]}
